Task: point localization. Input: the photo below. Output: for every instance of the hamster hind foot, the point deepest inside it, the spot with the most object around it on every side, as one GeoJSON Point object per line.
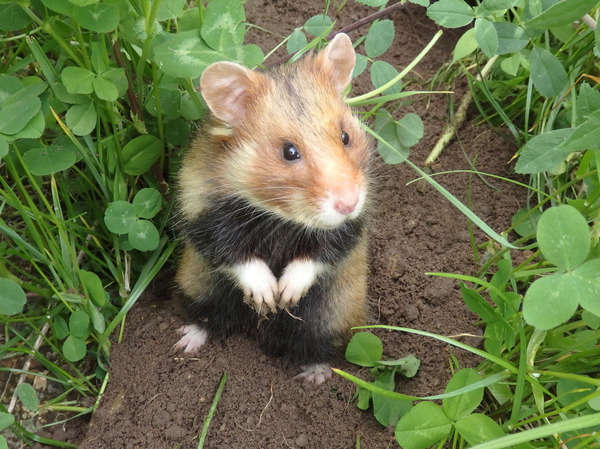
{"type": "Point", "coordinates": [193, 338]}
{"type": "Point", "coordinates": [314, 374]}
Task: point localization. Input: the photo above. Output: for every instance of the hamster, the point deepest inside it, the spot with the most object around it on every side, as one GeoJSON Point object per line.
{"type": "Point", "coordinates": [273, 198]}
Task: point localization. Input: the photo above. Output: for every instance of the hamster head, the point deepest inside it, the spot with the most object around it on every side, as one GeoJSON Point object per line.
{"type": "Point", "coordinates": [293, 146]}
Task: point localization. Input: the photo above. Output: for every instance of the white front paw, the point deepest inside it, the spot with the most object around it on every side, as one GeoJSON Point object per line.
{"type": "Point", "coordinates": [297, 278]}
{"type": "Point", "coordinates": [258, 283]}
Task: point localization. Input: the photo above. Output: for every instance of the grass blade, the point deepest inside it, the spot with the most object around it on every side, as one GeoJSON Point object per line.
{"type": "Point", "coordinates": [211, 412]}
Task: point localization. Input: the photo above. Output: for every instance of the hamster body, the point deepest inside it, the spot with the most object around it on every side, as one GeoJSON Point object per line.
{"type": "Point", "coordinates": [273, 197]}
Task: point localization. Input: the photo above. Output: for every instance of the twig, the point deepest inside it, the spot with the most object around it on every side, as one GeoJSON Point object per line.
{"type": "Point", "coordinates": [459, 117]}
{"type": "Point", "coordinates": [354, 26]}
{"type": "Point", "coordinates": [261, 413]}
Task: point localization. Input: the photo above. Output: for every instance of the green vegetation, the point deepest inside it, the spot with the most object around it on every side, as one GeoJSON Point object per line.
{"type": "Point", "coordinates": [97, 100]}
{"type": "Point", "coordinates": [529, 65]}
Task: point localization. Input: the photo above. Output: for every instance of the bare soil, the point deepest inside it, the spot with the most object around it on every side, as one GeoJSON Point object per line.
{"type": "Point", "coordinates": [158, 399]}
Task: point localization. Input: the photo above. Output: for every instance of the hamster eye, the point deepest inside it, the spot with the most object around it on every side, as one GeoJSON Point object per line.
{"type": "Point", "coordinates": [345, 138]}
{"type": "Point", "coordinates": [290, 152]}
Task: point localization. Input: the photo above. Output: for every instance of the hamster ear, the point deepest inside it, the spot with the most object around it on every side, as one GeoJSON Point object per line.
{"type": "Point", "coordinates": [228, 89]}
{"type": "Point", "coordinates": [338, 60]}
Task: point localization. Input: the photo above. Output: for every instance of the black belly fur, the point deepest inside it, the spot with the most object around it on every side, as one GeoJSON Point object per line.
{"type": "Point", "coordinates": [234, 232]}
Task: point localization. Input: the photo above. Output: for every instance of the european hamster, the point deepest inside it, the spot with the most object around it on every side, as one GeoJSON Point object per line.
{"type": "Point", "coordinates": [273, 197]}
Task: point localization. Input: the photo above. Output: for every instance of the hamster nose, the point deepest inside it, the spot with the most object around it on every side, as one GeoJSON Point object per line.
{"type": "Point", "coordinates": [346, 204]}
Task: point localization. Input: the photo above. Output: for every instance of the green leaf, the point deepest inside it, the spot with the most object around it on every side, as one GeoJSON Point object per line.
{"type": "Point", "coordinates": [13, 17]}
{"type": "Point", "coordinates": [297, 41]}
{"type": "Point", "coordinates": [48, 160]}
{"type": "Point", "coordinates": [550, 301]}
{"type": "Point", "coordinates": [223, 25]}
{"type": "Point", "coordinates": [79, 323]}
{"type": "Point", "coordinates": [139, 154]}
{"type": "Point", "coordinates": [33, 130]}
{"type": "Point", "coordinates": [364, 349]}
{"type": "Point", "coordinates": [591, 320]}
{"type": "Point", "coordinates": [101, 17]}
{"type": "Point", "coordinates": [385, 127]}
{"type": "Point", "coordinates": [81, 118]}
{"type": "Point", "coordinates": [105, 89]}
{"type": "Point", "coordinates": [547, 73]}
{"type": "Point", "coordinates": [78, 80]}
{"type": "Point", "coordinates": [74, 348]}
{"type": "Point", "coordinates": [3, 148]}
{"type": "Point", "coordinates": [498, 5]}
{"type": "Point", "coordinates": [383, 72]}
{"type": "Point", "coordinates": [588, 283]}
{"type": "Point", "coordinates": [486, 36]}
{"type": "Point", "coordinates": [250, 55]}
{"type": "Point", "coordinates": [594, 403]}
{"type": "Point", "coordinates": [478, 428]}
{"type": "Point", "coordinates": [564, 236]}
{"type": "Point", "coordinates": [59, 6]}
{"type": "Point", "coordinates": [12, 297]}
{"type": "Point", "coordinates": [147, 202]}
{"type": "Point", "coordinates": [16, 114]}
{"type": "Point", "coordinates": [511, 37]}
{"type": "Point", "coordinates": [563, 12]}
{"type": "Point", "coordinates": [318, 25]}
{"type": "Point", "coordinates": [457, 407]}
{"type": "Point", "coordinates": [28, 396]}
{"type": "Point", "coordinates": [119, 217]}
{"type": "Point", "coordinates": [185, 55]}
{"type": "Point", "coordinates": [511, 64]}
{"type": "Point", "coordinates": [6, 420]}
{"type": "Point", "coordinates": [424, 425]}
{"type": "Point", "coordinates": [525, 221]}
{"type": "Point", "coordinates": [588, 102]}
{"type": "Point", "coordinates": [406, 366]}
{"type": "Point", "coordinates": [379, 38]}
{"type": "Point", "coordinates": [60, 328]}
{"type": "Point", "coordinates": [409, 129]}
{"type": "Point", "coordinates": [93, 285]}
{"type": "Point", "coordinates": [144, 236]}
{"type": "Point", "coordinates": [586, 136]}
{"type": "Point", "coordinates": [478, 305]}
{"type": "Point", "coordinates": [170, 9]}
{"type": "Point", "coordinates": [543, 152]}
{"type": "Point", "coordinates": [3, 442]}
{"type": "Point", "coordinates": [388, 411]}
{"type": "Point", "coordinates": [170, 102]}
{"type": "Point", "coordinates": [466, 45]}
{"type": "Point", "coordinates": [360, 66]}
{"type": "Point", "coordinates": [96, 317]}
{"type": "Point", "coordinates": [451, 13]}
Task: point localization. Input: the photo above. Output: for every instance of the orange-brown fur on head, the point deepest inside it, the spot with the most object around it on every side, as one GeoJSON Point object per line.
{"type": "Point", "coordinates": [256, 114]}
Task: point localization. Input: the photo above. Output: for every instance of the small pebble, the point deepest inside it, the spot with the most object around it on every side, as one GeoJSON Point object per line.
{"type": "Point", "coordinates": [302, 440]}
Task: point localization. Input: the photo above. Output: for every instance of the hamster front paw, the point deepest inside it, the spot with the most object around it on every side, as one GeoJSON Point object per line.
{"type": "Point", "coordinates": [258, 283]}
{"type": "Point", "coordinates": [315, 374]}
{"type": "Point", "coordinates": [297, 278]}
{"type": "Point", "coordinates": [193, 338]}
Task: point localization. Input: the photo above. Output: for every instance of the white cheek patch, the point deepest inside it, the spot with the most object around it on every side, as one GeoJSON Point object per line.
{"type": "Point", "coordinates": [296, 280]}
{"type": "Point", "coordinates": [258, 283]}
{"type": "Point", "coordinates": [193, 338]}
